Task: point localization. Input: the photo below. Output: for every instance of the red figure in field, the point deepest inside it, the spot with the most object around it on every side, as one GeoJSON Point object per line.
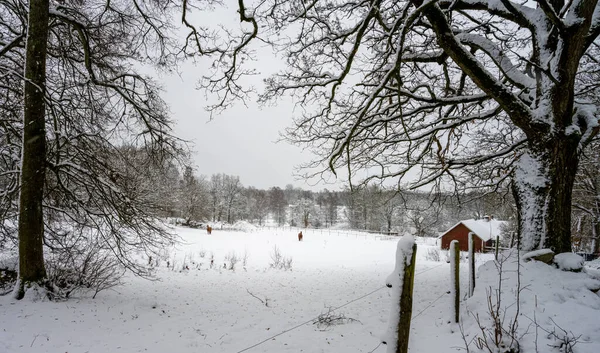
{"type": "Point", "coordinates": [208, 229]}
{"type": "Point", "coordinates": [300, 236]}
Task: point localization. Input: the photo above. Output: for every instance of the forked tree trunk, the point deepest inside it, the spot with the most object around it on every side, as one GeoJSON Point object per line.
{"type": "Point", "coordinates": [31, 220]}
{"type": "Point", "coordinates": [543, 187]}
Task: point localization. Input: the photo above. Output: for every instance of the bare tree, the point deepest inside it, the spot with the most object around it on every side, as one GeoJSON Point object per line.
{"type": "Point", "coordinates": [33, 171]}
{"type": "Point", "coordinates": [193, 197]}
{"type": "Point", "coordinates": [475, 93]}
{"type": "Point", "coordinates": [586, 201]}
{"type": "Point", "coordinates": [422, 212]}
{"type": "Point", "coordinates": [330, 203]}
{"type": "Point", "coordinates": [258, 204]}
{"type": "Point", "coordinates": [217, 196]}
{"type": "Point", "coordinates": [232, 190]}
{"type": "Point", "coordinates": [390, 210]}
{"type": "Point", "coordinates": [93, 97]}
{"type": "Point", "coordinates": [304, 212]}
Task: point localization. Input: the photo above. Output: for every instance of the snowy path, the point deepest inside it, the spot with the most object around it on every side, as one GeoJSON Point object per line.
{"type": "Point", "coordinates": [211, 310]}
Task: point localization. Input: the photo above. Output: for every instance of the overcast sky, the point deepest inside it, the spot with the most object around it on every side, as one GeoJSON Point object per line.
{"type": "Point", "coordinates": [242, 140]}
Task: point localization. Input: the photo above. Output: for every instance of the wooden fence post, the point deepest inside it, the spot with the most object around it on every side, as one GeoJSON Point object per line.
{"type": "Point", "coordinates": [496, 247]}
{"type": "Point", "coordinates": [471, 265]}
{"type": "Point", "coordinates": [455, 277]}
{"type": "Point", "coordinates": [403, 279]}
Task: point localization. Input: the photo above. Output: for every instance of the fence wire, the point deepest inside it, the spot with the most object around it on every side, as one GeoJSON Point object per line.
{"type": "Point", "coordinates": [341, 306]}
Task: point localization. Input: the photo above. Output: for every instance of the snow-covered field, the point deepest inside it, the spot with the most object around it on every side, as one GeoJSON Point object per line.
{"type": "Point", "coordinates": [193, 307]}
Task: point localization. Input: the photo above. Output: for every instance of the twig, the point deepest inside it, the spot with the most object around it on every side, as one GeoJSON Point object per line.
{"type": "Point", "coordinates": [265, 302]}
{"type": "Point", "coordinates": [32, 342]}
{"type": "Point", "coordinates": [374, 349]}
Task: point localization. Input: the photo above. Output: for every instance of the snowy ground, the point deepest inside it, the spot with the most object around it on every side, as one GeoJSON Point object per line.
{"type": "Point", "coordinates": [206, 309]}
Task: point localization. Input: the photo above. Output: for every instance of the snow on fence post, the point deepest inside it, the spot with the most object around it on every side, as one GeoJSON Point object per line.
{"type": "Point", "coordinates": [496, 247]}
{"type": "Point", "coordinates": [401, 281]}
{"type": "Point", "coordinates": [471, 265]}
{"type": "Point", "coordinates": [455, 277]}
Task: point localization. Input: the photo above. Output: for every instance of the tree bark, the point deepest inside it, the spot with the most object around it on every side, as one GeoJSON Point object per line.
{"type": "Point", "coordinates": [595, 232]}
{"type": "Point", "coordinates": [543, 187]}
{"type": "Point", "coordinates": [563, 168]}
{"type": "Point", "coordinates": [31, 220]}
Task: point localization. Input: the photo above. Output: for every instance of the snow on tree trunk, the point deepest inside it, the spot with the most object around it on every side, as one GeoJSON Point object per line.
{"type": "Point", "coordinates": [543, 184]}
{"type": "Point", "coordinates": [454, 278]}
{"type": "Point", "coordinates": [529, 183]}
{"type": "Point", "coordinates": [401, 281]}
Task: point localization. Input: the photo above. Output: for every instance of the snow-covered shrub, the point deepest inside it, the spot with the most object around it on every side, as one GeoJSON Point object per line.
{"type": "Point", "coordinates": [280, 262]}
{"type": "Point", "coordinates": [521, 306]}
{"type": "Point", "coordinates": [433, 254]}
{"type": "Point", "coordinates": [569, 262]}
{"type": "Point", "coordinates": [83, 267]}
{"type": "Point", "coordinates": [245, 258]}
{"type": "Point", "coordinates": [498, 330]}
{"type": "Point", "coordinates": [287, 263]}
{"type": "Point", "coordinates": [189, 261]}
{"type": "Point", "coordinates": [276, 257]}
{"type": "Point", "coordinates": [244, 226]}
{"type": "Point", "coordinates": [231, 260]}
{"type": "Point", "coordinates": [8, 274]}
{"type": "Point", "coordinates": [172, 263]}
{"type": "Point", "coordinates": [329, 318]}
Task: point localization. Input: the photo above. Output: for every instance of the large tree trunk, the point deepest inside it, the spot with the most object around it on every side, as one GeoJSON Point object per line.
{"type": "Point", "coordinates": [31, 220]}
{"type": "Point", "coordinates": [563, 169]}
{"type": "Point", "coordinates": [543, 187]}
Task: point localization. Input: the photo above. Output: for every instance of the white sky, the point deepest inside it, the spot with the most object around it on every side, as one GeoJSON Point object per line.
{"type": "Point", "coordinates": [242, 140]}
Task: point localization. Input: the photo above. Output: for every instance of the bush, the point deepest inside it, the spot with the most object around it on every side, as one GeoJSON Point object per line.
{"type": "Point", "coordinates": [280, 262]}
{"type": "Point", "coordinates": [90, 269]}
{"type": "Point", "coordinates": [80, 266]}
{"type": "Point", "coordinates": [329, 318]}
{"type": "Point", "coordinates": [432, 255]}
{"type": "Point", "coordinates": [8, 275]}
{"type": "Point", "coordinates": [231, 259]}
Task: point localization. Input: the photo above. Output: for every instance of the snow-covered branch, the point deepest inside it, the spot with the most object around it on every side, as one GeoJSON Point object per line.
{"type": "Point", "coordinates": [510, 70]}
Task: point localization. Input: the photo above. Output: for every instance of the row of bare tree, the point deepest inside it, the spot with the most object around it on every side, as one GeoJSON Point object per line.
{"type": "Point", "coordinates": [475, 94]}
{"type": "Point", "coordinates": [71, 98]}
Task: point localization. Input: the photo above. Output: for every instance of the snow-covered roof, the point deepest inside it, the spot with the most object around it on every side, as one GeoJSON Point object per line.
{"type": "Point", "coordinates": [484, 229]}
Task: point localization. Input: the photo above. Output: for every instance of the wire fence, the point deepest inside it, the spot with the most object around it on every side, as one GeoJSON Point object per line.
{"type": "Point", "coordinates": [343, 305]}
{"type": "Point", "coordinates": [356, 233]}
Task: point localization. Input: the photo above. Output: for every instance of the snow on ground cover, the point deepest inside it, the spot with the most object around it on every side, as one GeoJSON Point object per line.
{"type": "Point", "coordinates": [569, 261]}
{"type": "Point", "coordinates": [244, 226]}
{"type": "Point", "coordinates": [536, 253]}
{"type": "Point", "coordinates": [557, 308]}
{"type": "Point", "coordinates": [211, 310]}
{"type": "Point", "coordinates": [595, 264]}
{"type": "Point", "coordinates": [207, 309]}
